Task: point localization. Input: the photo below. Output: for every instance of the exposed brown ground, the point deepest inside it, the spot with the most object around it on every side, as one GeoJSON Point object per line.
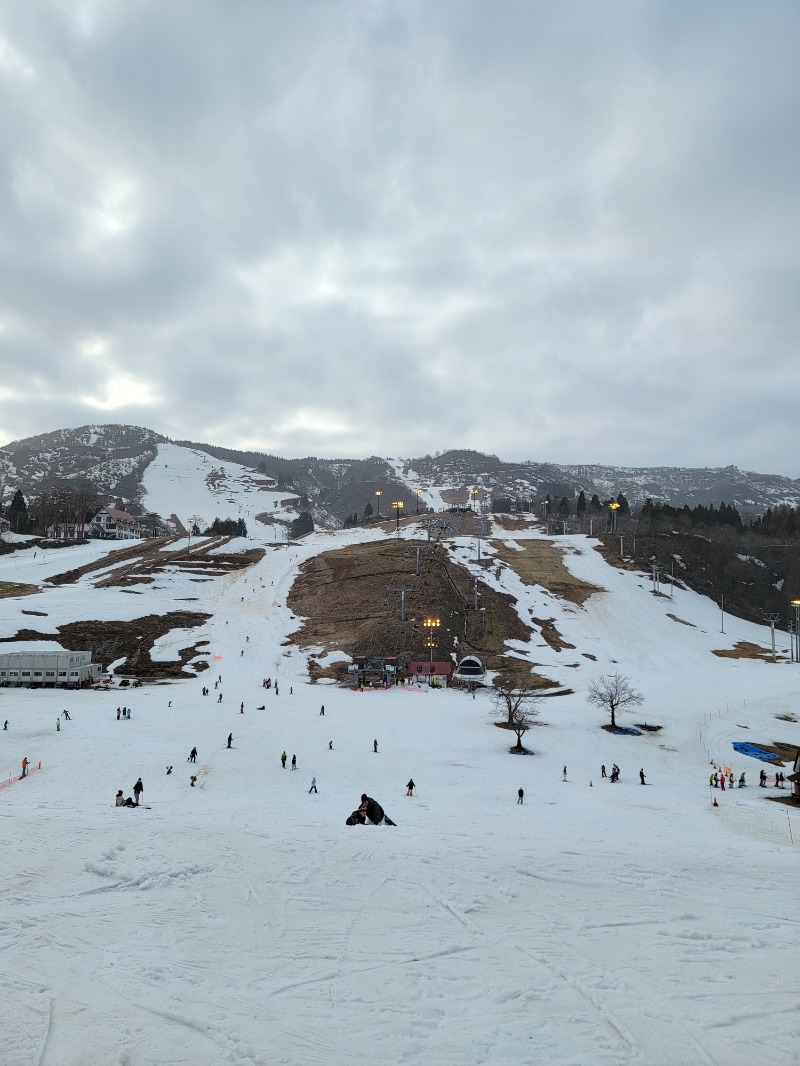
{"type": "Point", "coordinates": [345, 600]}
{"type": "Point", "coordinates": [745, 650]}
{"type": "Point", "coordinates": [513, 522]}
{"type": "Point", "coordinates": [12, 588]}
{"type": "Point", "coordinates": [682, 621]}
{"type": "Point", "coordinates": [541, 563]}
{"type": "Point", "coordinates": [550, 634]}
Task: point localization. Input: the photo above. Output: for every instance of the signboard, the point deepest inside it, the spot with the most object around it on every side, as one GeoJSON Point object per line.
{"type": "Point", "coordinates": [421, 668]}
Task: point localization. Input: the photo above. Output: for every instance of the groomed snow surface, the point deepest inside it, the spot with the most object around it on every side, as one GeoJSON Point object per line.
{"type": "Point", "coordinates": [242, 922]}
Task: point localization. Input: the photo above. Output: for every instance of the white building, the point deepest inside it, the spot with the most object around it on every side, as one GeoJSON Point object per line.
{"type": "Point", "coordinates": [112, 524]}
{"type": "Point", "coordinates": [66, 669]}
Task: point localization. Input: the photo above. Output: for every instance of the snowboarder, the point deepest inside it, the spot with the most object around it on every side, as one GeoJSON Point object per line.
{"type": "Point", "coordinates": [283, 760]}
{"type": "Point", "coordinates": [192, 755]}
{"type": "Point", "coordinates": [322, 710]}
{"type": "Point", "coordinates": [603, 770]}
{"type": "Point", "coordinates": [219, 698]}
{"type": "Point", "coordinates": [313, 785]}
{"type": "Point", "coordinates": [410, 787]}
{"type": "Point", "coordinates": [66, 717]}
{"type": "Point", "coordinates": [641, 776]}
{"type": "Point", "coordinates": [375, 745]}
{"type": "Point", "coordinates": [294, 762]}
{"type": "Point", "coordinates": [520, 795]}
{"type": "Point", "coordinates": [564, 774]}
{"type": "Point", "coordinates": [25, 767]}
{"type": "Point", "coordinates": [138, 789]}
{"type": "Point", "coordinates": [241, 708]}
{"type": "Point", "coordinates": [230, 739]}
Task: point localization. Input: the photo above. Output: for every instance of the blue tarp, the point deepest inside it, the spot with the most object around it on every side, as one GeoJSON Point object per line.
{"type": "Point", "coordinates": [753, 751]}
{"type": "Point", "coordinates": [626, 732]}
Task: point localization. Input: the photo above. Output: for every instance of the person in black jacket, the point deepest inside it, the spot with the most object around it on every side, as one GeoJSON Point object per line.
{"type": "Point", "coordinates": [138, 789]}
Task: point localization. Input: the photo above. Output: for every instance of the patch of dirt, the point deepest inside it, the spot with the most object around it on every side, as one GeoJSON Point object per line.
{"type": "Point", "coordinates": [514, 521]}
{"type": "Point", "coordinates": [41, 614]}
{"type": "Point", "coordinates": [541, 563]}
{"type": "Point", "coordinates": [682, 621]}
{"type": "Point", "coordinates": [744, 649]}
{"type": "Point", "coordinates": [134, 640]}
{"type": "Point", "coordinates": [588, 655]}
{"type": "Point", "coordinates": [550, 634]}
{"type": "Point", "coordinates": [350, 600]}
{"type": "Point", "coordinates": [12, 588]}
{"type": "Point", "coordinates": [781, 717]}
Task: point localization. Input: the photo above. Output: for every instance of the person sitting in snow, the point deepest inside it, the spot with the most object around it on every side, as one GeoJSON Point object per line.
{"type": "Point", "coordinates": [369, 813]}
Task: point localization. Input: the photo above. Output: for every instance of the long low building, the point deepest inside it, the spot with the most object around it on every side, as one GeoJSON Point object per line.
{"type": "Point", "coordinates": [64, 669]}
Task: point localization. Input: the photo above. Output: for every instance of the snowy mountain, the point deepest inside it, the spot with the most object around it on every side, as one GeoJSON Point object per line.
{"type": "Point", "coordinates": [111, 462]}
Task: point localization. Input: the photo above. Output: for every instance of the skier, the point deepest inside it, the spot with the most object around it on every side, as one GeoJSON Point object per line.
{"type": "Point", "coordinates": [66, 717]}
{"type": "Point", "coordinates": [564, 774]}
{"type": "Point", "coordinates": [192, 755]}
{"type": "Point", "coordinates": [283, 760]}
{"type": "Point", "coordinates": [722, 782]}
{"type": "Point", "coordinates": [313, 785]}
{"type": "Point", "coordinates": [138, 789]}
{"type": "Point", "coordinates": [294, 762]}
{"type": "Point", "coordinates": [25, 767]}
{"type": "Point", "coordinates": [603, 770]}
{"type": "Point", "coordinates": [230, 739]}
{"type": "Point", "coordinates": [322, 710]}
{"type": "Point", "coordinates": [241, 708]}
{"type": "Point", "coordinates": [375, 745]}
{"type": "Point", "coordinates": [169, 770]}
{"type": "Point", "coordinates": [742, 782]}
{"type": "Point", "coordinates": [520, 795]}
{"type": "Point", "coordinates": [410, 787]}
{"type": "Point", "coordinates": [129, 714]}
{"type": "Point", "coordinates": [219, 698]}
{"type": "Point", "coordinates": [641, 776]}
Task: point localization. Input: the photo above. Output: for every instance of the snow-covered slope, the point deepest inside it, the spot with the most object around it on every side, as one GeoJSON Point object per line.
{"type": "Point", "coordinates": [241, 922]}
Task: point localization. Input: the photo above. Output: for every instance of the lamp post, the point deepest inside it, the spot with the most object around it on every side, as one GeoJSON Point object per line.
{"type": "Point", "coordinates": [378, 493]}
{"type": "Point", "coordinates": [191, 522]}
{"type": "Point", "coordinates": [614, 506]}
{"type": "Point", "coordinates": [796, 605]}
{"type": "Point", "coordinates": [398, 506]}
{"type": "Point", "coordinates": [430, 624]}
{"type": "Point", "coordinates": [472, 496]}
{"type": "Point", "coordinates": [771, 617]}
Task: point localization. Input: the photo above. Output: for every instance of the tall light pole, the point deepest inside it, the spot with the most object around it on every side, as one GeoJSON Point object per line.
{"type": "Point", "coordinates": [378, 493]}
{"type": "Point", "coordinates": [614, 506]}
{"type": "Point", "coordinates": [772, 617]}
{"type": "Point", "coordinates": [472, 496]}
{"type": "Point", "coordinates": [398, 506]}
{"type": "Point", "coordinates": [796, 605]}
{"type": "Point", "coordinates": [430, 624]}
{"type": "Point", "coordinates": [191, 522]}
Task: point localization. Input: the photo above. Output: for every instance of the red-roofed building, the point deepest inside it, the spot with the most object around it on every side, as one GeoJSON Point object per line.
{"type": "Point", "coordinates": [111, 524]}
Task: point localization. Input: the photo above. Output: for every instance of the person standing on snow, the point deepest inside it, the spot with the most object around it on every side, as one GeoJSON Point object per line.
{"type": "Point", "coordinates": [283, 760]}
{"type": "Point", "coordinates": [294, 762]}
{"type": "Point", "coordinates": [641, 776]}
{"type": "Point", "coordinates": [564, 774]}
{"type": "Point", "coordinates": [322, 709]}
{"type": "Point", "coordinates": [520, 795]}
{"type": "Point", "coordinates": [192, 755]}
{"type": "Point", "coordinates": [313, 785]}
{"type": "Point", "coordinates": [375, 745]}
{"type": "Point", "coordinates": [138, 789]}
{"type": "Point", "coordinates": [230, 739]}
{"type": "Point", "coordinates": [410, 787]}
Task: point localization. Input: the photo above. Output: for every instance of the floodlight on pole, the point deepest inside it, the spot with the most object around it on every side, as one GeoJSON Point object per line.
{"type": "Point", "coordinates": [473, 493]}
{"type": "Point", "coordinates": [378, 493]}
{"type": "Point", "coordinates": [431, 624]}
{"type": "Point", "coordinates": [614, 507]}
{"type": "Point", "coordinates": [398, 507]}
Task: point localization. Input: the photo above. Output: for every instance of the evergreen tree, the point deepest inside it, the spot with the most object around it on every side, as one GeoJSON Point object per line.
{"type": "Point", "coordinates": [17, 514]}
{"type": "Point", "coordinates": [563, 507]}
{"type": "Point", "coordinates": [303, 524]}
{"type": "Point", "coordinates": [624, 508]}
{"type": "Point", "coordinates": [580, 506]}
{"type": "Point", "coordinates": [594, 504]}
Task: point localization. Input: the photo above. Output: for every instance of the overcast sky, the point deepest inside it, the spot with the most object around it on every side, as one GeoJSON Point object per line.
{"type": "Point", "coordinates": [552, 231]}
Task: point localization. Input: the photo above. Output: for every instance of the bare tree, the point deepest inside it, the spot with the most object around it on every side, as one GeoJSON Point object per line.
{"type": "Point", "coordinates": [613, 692]}
{"type": "Point", "coordinates": [516, 702]}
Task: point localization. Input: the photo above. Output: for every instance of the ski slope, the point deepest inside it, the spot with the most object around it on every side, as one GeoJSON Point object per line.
{"type": "Point", "coordinates": [241, 922]}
